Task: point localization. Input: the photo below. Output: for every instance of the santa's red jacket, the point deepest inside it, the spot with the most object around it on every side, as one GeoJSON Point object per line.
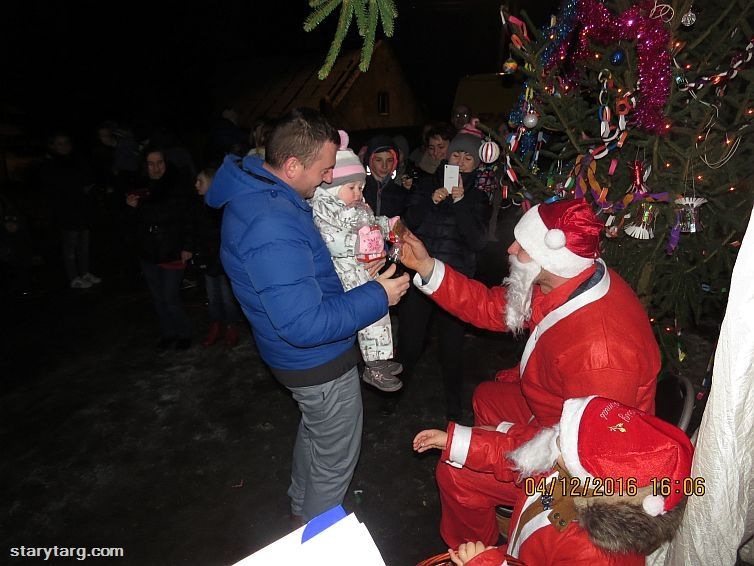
{"type": "Point", "coordinates": [599, 343]}
{"type": "Point", "coordinates": [536, 542]}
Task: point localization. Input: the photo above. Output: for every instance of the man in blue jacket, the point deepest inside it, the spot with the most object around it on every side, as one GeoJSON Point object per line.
{"type": "Point", "coordinates": [304, 323]}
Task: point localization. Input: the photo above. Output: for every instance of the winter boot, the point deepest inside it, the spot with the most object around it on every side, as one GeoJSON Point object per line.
{"type": "Point", "coordinates": [92, 278]}
{"type": "Point", "coordinates": [393, 367]}
{"type": "Point", "coordinates": [212, 335]}
{"type": "Point", "coordinates": [231, 335]}
{"type": "Point", "coordinates": [390, 366]}
{"type": "Point", "coordinates": [80, 283]}
{"type": "Point", "coordinates": [382, 379]}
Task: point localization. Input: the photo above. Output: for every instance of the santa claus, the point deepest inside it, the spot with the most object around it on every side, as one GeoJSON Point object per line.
{"type": "Point", "coordinates": [606, 485]}
{"type": "Point", "coordinates": [589, 335]}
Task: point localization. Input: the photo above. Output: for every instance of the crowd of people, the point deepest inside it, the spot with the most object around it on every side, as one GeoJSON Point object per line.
{"type": "Point", "coordinates": [293, 236]}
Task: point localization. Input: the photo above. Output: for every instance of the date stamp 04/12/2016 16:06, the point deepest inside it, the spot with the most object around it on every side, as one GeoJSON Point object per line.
{"type": "Point", "coordinates": [596, 487]}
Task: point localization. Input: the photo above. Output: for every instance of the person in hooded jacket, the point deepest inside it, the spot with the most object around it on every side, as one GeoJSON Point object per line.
{"type": "Point", "coordinates": [161, 222]}
{"type": "Point", "coordinates": [382, 192]}
{"type": "Point", "coordinates": [452, 223]}
{"type": "Point", "coordinates": [224, 312]}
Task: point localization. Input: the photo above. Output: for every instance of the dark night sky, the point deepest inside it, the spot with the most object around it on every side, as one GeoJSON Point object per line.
{"type": "Point", "coordinates": [72, 64]}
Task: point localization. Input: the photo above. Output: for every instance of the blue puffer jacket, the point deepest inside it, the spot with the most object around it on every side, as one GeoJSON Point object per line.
{"type": "Point", "coordinates": [283, 276]}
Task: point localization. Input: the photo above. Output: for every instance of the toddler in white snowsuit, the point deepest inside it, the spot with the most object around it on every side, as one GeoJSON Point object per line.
{"type": "Point", "coordinates": [339, 211]}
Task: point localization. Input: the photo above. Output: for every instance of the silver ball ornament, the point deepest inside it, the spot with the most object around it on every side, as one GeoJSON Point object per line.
{"type": "Point", "coordinates": [531, 120]}
{"type": "Point", "coordinates": [688, 19]}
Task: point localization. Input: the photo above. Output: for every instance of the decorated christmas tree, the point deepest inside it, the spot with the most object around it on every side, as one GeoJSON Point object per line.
{"type": "Point", "coordinates": [645, 110]}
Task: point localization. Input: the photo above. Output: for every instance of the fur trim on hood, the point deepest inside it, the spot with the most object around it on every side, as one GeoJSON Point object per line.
{"type": "Point", "coordinates": [625, 527]}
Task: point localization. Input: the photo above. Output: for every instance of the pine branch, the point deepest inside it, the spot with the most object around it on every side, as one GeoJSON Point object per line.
{"type": "Point", "coordinates": [344, 23]}
{"type": "Point", "coordinates": [714, 27]}
{"type": "Point", "coordinates": [368, 49]}
{"type": "Point", "coordinates": [319, 15]}
{"type": "Point", "coordinates": [359, 9]}
{"type": "Point", "coordinates": [367, 13]}
{"type": "Point", "coordinates": [387, 16]}
{"type": "Point", "coordinates": [531, 29]}
{"type": "Point", "coordinates": [723, 245]}
{"type": "Point", "coordinates": [558, 111]}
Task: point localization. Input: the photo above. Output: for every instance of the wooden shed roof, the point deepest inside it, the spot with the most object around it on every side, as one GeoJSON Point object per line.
{"type": "Point", "coordinates": [295, 83]}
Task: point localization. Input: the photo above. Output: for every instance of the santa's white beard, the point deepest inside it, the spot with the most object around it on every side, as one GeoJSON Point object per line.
{"type": "Point", "coordinates": [520, 283]}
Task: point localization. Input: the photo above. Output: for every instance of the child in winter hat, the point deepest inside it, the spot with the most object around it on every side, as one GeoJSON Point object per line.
{"type": "Point", "coordinates": [340, 214]}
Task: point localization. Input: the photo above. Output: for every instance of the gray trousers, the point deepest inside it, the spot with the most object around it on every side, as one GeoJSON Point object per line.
{"type": "Point", "coordinates": [327, 445]}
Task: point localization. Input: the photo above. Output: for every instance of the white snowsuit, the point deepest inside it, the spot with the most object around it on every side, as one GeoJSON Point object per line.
{"type": "Point", "coordinates": [336, 222]}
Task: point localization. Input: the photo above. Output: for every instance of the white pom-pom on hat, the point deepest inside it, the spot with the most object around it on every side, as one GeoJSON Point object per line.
{"type": "Point", "coordinates": [555, 239]}
{"type": "Point", "coordinates": [343, 139]}
{"type": "Point", "coordinates": [653, 505]}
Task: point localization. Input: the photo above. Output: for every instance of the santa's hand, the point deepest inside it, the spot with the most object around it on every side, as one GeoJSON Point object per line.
{"type": "Point", "coordinates": [415, 256]}
{"type": "Point", "coordinates": [430, 438]}
{"type": "Point", "coordinates": [466, 552]}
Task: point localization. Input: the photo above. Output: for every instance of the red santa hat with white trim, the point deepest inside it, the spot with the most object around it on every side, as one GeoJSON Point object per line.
{"type": "Point", "coordinates": [562, 237]}
{"type": "Point", "coordinates": [602, 438]}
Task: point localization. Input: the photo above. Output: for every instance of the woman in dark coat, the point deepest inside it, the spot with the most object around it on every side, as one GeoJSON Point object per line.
{"type": "Point", "coordinates": [162, 229]}
{"type": "Point", "coordinates": [452, 224]}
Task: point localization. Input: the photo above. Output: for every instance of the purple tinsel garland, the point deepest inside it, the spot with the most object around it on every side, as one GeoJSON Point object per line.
{"type": "Point", "coordinates": [597, 24]}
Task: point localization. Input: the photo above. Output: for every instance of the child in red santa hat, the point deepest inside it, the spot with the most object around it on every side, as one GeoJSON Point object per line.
{"type": "Point", "coordinates": [605, 487]}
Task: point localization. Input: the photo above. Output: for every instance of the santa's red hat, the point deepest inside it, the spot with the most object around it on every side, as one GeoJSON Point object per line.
{"type": "Point", "coordinates": [562, 237]}
{"type": "Point", "coordinates": [602, 438]}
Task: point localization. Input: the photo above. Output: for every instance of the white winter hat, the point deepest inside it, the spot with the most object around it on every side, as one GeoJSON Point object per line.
{"type": "Point", "coordinates": [348, 167]}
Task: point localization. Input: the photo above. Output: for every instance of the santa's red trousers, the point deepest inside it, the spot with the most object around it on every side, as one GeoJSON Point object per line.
{"type": "Point", "coordinates": [469, 498]}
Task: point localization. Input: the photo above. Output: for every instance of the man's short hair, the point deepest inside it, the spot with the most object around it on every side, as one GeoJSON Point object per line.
{"type": "Point", "coordinates": [301, 134]}
{"type": "Point", "coordinates": [442, 130]}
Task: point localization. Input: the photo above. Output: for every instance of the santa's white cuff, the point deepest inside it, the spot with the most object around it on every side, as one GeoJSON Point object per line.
{"type": "Point", "coordinates": [438, 274]}
{"type": "Point", "coordinates": [459, 445]}
{"type": "Point", "coordinates": [504, 426]}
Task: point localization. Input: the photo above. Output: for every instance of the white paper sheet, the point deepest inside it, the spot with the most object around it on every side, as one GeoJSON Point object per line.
{"type": "Point", "coordinates": [344, 543]}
